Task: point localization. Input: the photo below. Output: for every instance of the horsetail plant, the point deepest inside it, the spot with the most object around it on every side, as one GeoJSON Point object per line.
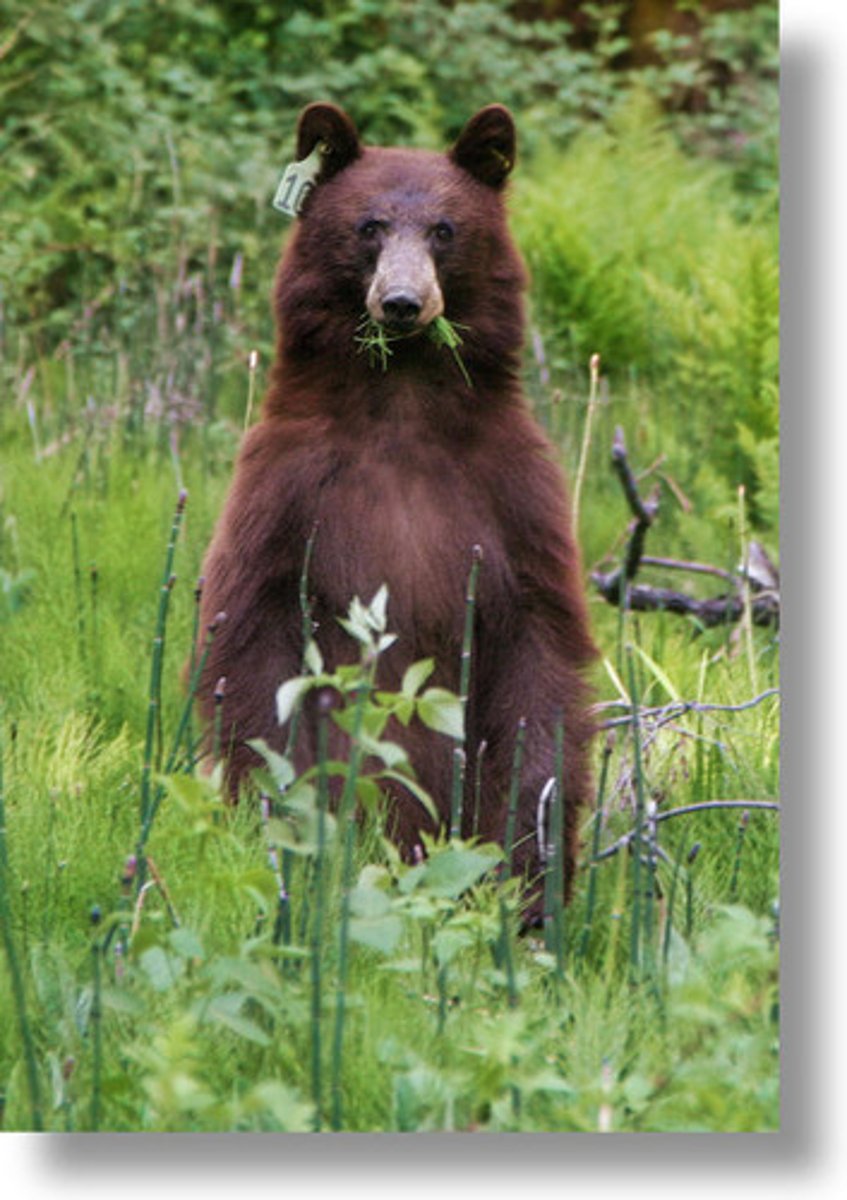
{"type": "Point", "coordinates": [80, 613]}
{"type": "Point", "coordinates": [666, 941]}
{"type": "Point", "coordinates": [459, 749]}
{"type": "Point", "coordinates": [15, 973]}
{"type": "Point", "coordinates": [550, 833]}
{"type": "Point", "coordinates": [591, 897]}
{"type": "Point", "coordinates": [636, 917]}
{"type": "Point", "coordinates": [316, 981]}
{"type": "Point", "coordinates": [739, 847]}
{"type": "Point", "coordinates": [346, 822]}
{"type": "Point", "coordinates": [96, 1021]}
{"type": "Point", "coordinates": [153, 731]}
{"type": "Point", "coordinates": [503, 947]}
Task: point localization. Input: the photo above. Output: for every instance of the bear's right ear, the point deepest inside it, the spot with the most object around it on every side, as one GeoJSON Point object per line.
{"type": "Point", "coordinates": [329, 124]}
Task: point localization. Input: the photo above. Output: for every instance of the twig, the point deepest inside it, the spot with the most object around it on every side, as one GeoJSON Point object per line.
{"type": "Point", "coordinates": [760, 603]}
{"type": "Point", "coordinates": [624, 841]}
{"type": "Point", "coordinates": [677, 708]}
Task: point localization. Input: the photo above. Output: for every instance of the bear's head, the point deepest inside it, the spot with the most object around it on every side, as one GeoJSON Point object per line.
{"type": "Point", "coordinates": [404, 235]}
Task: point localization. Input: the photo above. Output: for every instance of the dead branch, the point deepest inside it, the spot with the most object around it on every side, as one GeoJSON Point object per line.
{"type": "Point", "coordinates": [758, 575]}
{"type": "Point", "coordinates": [623, 842]}
{"type": "Point", "coordinates": [677, 708]}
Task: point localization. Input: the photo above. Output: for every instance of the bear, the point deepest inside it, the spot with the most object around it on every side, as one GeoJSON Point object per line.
{"type": "Point", "coordinates": [402, 470]}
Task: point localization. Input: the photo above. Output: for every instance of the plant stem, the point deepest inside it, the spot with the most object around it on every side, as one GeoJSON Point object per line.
{"type": "Point", "coordinates": [591, 898]}
{"type": "Point", "coordinates": [636, 915]}
{"type": "Point", "coordinates": [15, 973]}
{"type": "Point", "coordinates": [154, 700]}
{"type": "Point", "coordinates": [317, 924]}
{"type": "Point", "coordinates": [460, 747]}
{"type": "Point", "coordinates": [514, 796]}
{"type": "Point", "coordinates": [346, 821]}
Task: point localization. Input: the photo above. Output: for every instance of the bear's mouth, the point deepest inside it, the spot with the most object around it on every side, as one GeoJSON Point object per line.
{"type": "Point", "coordinates": [376, 339]}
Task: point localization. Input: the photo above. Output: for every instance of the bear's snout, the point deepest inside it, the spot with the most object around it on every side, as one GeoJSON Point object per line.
{"type": "Point", "coordinates": [404, 294]}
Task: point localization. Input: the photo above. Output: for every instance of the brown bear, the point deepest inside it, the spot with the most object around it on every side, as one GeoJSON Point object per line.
{"type": "Point", "coordinates": [403, 468]}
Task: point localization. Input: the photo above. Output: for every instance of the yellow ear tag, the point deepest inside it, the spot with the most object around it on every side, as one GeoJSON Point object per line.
{"type": "Point", "coordinates": [298, 179]}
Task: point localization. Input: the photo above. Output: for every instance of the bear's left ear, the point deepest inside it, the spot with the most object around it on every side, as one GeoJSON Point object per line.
{"type": "Point", "coordinates": [486, 146]}
{"type": "Point", "coordinates": [328, 124]}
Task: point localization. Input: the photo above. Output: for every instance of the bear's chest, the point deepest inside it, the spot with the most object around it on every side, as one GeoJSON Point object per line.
{"type": "Point", "coordinates": [408, 517]}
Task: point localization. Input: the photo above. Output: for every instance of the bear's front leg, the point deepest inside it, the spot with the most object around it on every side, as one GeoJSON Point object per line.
{"type": "Point", "coordinates": [531, 683]}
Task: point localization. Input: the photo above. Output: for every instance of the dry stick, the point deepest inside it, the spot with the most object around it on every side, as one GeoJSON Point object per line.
{"type": "Point", "coordinates": [586, 440]}
{"type": "Point", "coordinates": [747, 606]}
{"type": "Point", "coordinates": [459, 748]}
{"type": "Point", "coordinates": [616, 586]}
{"type": "Point", "coordinates": [623, 842]}
{"type": "Point", "coordinates": [678, 708]}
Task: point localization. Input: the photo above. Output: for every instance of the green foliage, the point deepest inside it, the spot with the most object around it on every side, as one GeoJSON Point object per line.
{"type": "Point", "coordinates": [636, 254]}
{"type": "Point", "coordinates": [284, 970]}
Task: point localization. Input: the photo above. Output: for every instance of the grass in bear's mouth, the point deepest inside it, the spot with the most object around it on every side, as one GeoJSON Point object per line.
{"type": "Point", "coordinates": [375, 340]}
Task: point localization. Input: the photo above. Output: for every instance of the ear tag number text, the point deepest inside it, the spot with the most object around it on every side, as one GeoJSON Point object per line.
{"type": "Point", "coordinates": [298, 179]}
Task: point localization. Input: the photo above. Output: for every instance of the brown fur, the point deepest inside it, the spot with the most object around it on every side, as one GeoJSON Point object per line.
{"type": "Point", "coordinates": [404, 471]}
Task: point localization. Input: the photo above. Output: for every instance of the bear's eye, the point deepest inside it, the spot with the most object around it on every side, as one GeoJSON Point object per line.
{"type": "Point", "coordinates": [443, 232]}
{"type": "Point", "coordinates": [369, 230]}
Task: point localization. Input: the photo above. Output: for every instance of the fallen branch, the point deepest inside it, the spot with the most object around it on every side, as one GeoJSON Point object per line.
{"type": "Point", "coordinates": [623, 842]}
{"type": "Point", "coordinates": [760, 576]}
{"type": "Point", "coordinates": [677, 708]}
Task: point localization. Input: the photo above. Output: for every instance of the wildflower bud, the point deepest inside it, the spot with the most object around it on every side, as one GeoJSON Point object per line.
{"type": "Point", "coordinates": [254, 360]}
{"type": "Point", "coordinates": [594, 366]}
{"type": "Point", "coordinates": [182, 499]}
{"type": "Point", "coordinates": [693, 852]}
{"type": "Point", "coordinates": [220, 688]}
{"type": "Point", "coordinates": [95, 915]}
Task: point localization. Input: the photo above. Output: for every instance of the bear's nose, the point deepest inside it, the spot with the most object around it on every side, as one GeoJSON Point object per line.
{"type": "Point", "coordinates": [400, 310]}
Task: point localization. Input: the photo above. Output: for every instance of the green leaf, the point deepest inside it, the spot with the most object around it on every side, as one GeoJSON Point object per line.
{"type": "Point", "coordinates": [226, 1010]}
{"type": "Point", "coordinates": [416, 676]}
{"type": "Point", "coordinates": [162, 969]}
{"type": "Point", "coordinates": [283, 1104]}
{"type": "Point", "coordinates": [380, 933]}
{"type": "Point", "coordinates": [281, 769]}
{"type": "Point", "coordinates": [453, 869]}
{"type": "Point", "coordinates": [288, 696]}
{"type": "Point", "coordinates": [416, 790]}
{"type": "Point", "coordinates": [313, 658]}
{"type": "Point", "coordinates": [442, 711]}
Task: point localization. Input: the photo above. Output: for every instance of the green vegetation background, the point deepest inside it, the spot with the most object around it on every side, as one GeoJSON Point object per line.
{"type": "Point", "coordinates": [139, 149]}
